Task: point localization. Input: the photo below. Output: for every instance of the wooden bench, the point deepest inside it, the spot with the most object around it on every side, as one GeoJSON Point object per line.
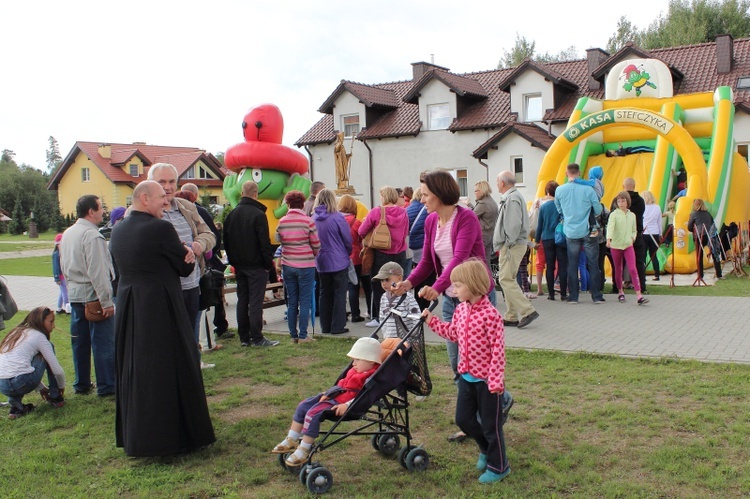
{"type": "Point", "coordinates": [271, 286]}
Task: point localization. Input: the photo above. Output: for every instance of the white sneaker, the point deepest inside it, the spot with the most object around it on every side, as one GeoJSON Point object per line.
{"type": "Point", "coordinates": [373, 323]}
{"type": "Point", "coordinates": [207, 366]}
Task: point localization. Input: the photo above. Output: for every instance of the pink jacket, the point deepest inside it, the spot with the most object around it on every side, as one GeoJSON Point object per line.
{"type": "Point", "coordinates": [398, 224]}
{"type": "Point", "coordinates": [478, 329]}
{"type": "Point", "coordinates": [467, 243]}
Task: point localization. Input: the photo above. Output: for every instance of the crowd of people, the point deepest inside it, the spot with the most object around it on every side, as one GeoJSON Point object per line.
{"type": "Point", "coordinates": [425, 243]}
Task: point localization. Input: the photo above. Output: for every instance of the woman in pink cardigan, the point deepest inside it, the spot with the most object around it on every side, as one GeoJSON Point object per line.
{"type": "Point", "coordinates": [398, 225]}
{"type": "Point", "coordinates": [452, 235]}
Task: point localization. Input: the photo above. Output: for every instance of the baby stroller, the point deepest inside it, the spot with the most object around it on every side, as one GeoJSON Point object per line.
{"type": "Point", "coordinates": [380, 409]}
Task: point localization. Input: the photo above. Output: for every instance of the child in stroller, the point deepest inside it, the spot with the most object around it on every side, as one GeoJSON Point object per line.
{"type": "Point", "coordinates": [365, 355]}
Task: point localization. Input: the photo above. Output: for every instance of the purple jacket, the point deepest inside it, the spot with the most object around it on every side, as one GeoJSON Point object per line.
{"type": "Point", "coordinates": [398, 225]}
{"type": "Point", "coordinates": [335, 240]}
{"type": "Point", "coordinates": [467, 243]}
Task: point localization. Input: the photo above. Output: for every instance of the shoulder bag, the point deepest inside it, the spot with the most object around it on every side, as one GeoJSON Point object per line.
{"type": "Point", "coordinates": [379, 237]}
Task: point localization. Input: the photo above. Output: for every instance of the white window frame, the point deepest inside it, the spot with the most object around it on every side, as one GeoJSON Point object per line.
{"type": "Point", "coordinates": [462, 179]}
{"type": "Point", "coordinates": [438, 116]}
{"type": "Point", "coordinates": [515, 161]}
{"type": "Point", "coordinates": [350, 129]}
{"type": "Point", "coordinates": [189, 173]}
{"type": "Point", "coordinates": [132, 166]}
{"type": "Point", "coordinates": [527, 101]}
{"type": "Point", "coordinates": [85, 175]}
{"type": "Point", "coordinates": [743, 82]}
{"type": "Point", "coordinates": [204, 173]}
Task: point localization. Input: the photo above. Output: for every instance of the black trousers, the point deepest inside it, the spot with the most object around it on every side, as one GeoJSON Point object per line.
{"type": "Point", "coordinates": [639, 246]}
{"type": "Point", "coordinates": [251, 288]}
{"type": "Point", "coordinates": [475, 398]}
{"type": "Point", "coordinates": [652, 246]}
{"type": "Point", "coordinates": [333, 287]}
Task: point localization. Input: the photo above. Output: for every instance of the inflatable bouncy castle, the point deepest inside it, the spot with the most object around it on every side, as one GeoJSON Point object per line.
{"type": "Point", "coordinates": [641, 130]}
{"type": "Point", "coordinates": [277, 169]}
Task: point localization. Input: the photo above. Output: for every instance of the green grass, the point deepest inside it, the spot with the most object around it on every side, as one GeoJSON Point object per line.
{"type": "Point", "coordinates": [40, 266]}
{"type": "Point", "coordinates": [48, 236]}
{"type": "Point", "coordinates": [583, 425]}
{"type": "Point", "coordinates": [9, 247]}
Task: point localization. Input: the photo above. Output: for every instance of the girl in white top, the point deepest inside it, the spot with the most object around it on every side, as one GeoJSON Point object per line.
{"type": "Point", "coordinates": [652, 230]}
{"type": "Point", "coordinates": [25, 354]}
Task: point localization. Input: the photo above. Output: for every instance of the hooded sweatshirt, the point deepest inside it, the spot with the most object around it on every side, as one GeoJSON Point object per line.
{"type": "Point", "coordinates": [398, 225]}
{"type": "Point", "coordinates": [335, 240]}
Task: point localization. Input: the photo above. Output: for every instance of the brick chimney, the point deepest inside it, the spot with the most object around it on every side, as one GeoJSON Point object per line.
{"type": "Point", "coordinates": [105, 151]}
{"type": "Point", "coordinates": [724, 53]}
{"type": "Point", "coordinates": [420, 68]}
{"type": "Point", "coordinates": [595, 57]}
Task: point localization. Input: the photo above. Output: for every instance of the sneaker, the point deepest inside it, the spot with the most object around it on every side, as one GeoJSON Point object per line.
{"type": "Point", "coordinates": [17, 413]}
{"type": "Point", "coordinates": [265, 342]}
{"type": "Point", "coordinates": [58, 401]}
{"type": "Point", "coordinates": [492, 477]}
{"type": "Point", "coordinates": [621, 298]}
{"type": "Point", "coordinates": [207, 366]}
{"type": "Point", "coordinates": [224, 335]}
{"type": "Point", "coordinates": [525, 321]}
{"type": "Point", "coordinates": [482, 462]}
{"type": "Point", "coordinates": [306, 340]}
{"type": "Point", "coordinates": [373, 323]}
{"type": "Point", "coordinates": [642, 300]}
{"type": "Point", "coordinates": [510, 323]}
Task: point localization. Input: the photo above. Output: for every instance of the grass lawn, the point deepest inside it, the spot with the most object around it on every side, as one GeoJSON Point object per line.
{"type": "Point", "coordinates": [9, 247]}
{"type": "Point", "coordinates": [583, 425]}
{"type": "Point", "coordinates": [48, 236]}
{"type": "Point", "coordinates": [40, 266]}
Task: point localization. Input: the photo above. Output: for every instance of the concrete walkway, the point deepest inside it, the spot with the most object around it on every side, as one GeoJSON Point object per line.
{"type": "Point", "coordinates": [704, 328]}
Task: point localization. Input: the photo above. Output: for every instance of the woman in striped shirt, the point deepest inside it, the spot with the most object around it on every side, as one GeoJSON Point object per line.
{"type": "Point", "coordinates": [299, 245]}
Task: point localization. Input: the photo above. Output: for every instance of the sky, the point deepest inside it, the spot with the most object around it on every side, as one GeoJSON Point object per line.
{"type": "Point", "coordinates": [185, 73]}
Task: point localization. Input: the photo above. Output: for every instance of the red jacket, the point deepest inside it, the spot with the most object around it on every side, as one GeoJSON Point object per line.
{"type": "Point", "coordinates": [353, 383]}
{"type": "Point", "coordinates": [356, 238]}
{"type": "Point", "coordinates": [478, 329]}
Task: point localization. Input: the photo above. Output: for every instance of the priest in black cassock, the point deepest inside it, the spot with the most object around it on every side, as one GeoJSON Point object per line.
{"type": "Point", "coordinates": [161, 403]}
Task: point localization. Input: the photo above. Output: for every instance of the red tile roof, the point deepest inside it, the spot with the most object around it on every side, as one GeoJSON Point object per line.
{"type": "Point", "coordinates": [693, 68]}
{"type": "Point", "coordinates": [533, 133]}
{"type": "Point", "coordinates": [368, 95]}
{"type": "Point", "coordinates": [181, 157]}
{"type": "Point", "coordinates": [461, 85]}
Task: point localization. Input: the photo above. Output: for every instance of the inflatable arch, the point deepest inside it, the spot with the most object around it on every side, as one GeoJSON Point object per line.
{"type": "Point", "coordinates": [673, 130]}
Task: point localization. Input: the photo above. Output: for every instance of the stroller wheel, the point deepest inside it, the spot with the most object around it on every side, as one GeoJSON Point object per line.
{"type": "Point", "coordinates": [282, 460]}
{"type": "Point", "coordinates": [375, 441]}
{"type": "Point", "coordinates": [285, 465]}
{"type": "Point", "coordinates": [417, 459]}
{"type": "Point", "coordinates": [304, 472]}
{"type": "Point", "coordinates": [389, 444]}
{"type": "Point", "coordinates": [319, 480]}
{"type": "Point", "coordinates": [403, 453]}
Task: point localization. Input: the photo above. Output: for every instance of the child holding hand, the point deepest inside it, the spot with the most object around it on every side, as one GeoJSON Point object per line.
{"type": "Point", "coordinates": [365, 355]}
{"type": "Point", "coordinates": [477, 327]}
{"type": "Point", "coordinates": [621, 232]}
{"type": "Point", "coordinates": [390, 275]}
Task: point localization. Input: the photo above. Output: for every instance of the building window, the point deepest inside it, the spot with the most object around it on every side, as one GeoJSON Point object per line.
{"type": "Point", "coordinates": [517, 163]}
{"type": "Point", "coordinates": [350, 125]}
{"type": "Point", "coordinates": [743, 82]}
{"type": "Point", "coordinates": [128, 201]}
{"type": "Point", "coordinates": [213, 199]}
{"type": "Point", "coordinates": [85, 174]}
{"type": "Point", "coordinates": [134, 170]}
{"type": "Point", "coordinates": [438, 117]}
{"type": "Point", "coordinates": [189, 173]}
{"type": "Point", "coordinates": [203, 173]}
{"type": "Point", "coordinates": [462, 178]}
{"type": "Point", "coordinates": [533, 107]}
{"type": "Point", "coordinates": [742, 149]}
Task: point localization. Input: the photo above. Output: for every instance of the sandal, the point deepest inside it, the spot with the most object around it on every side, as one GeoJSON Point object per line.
{"type": "Point", "coordinates": [642, 300]}
{"type": "Point", "coordinates": [621, 298]}
{"type": "Point", "coordinates": [293, 460]}
{"type": "Point", "coordinates": [283, 449]}
{"type": "Point", "coordinates": [457, 437]}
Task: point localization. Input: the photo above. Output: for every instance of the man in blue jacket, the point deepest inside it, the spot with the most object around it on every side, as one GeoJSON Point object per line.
{"type": "Point", "coordinates": [575, 201]}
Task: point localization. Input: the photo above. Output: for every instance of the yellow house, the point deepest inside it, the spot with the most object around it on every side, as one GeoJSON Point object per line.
{"type": "Point", "coordinates": [111, 171]}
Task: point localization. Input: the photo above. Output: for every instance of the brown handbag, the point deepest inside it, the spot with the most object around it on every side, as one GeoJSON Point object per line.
{"type": "Point", "coordinates": [379, 237]}
{"type": "Point", "coordinates": [368, 258]}
{"type": "Point", "coordinates": [93, 311]}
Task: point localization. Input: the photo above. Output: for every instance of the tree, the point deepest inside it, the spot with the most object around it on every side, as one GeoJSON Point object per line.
{"type": "Point", "coordinates": [520, 51]}
{"type": "Point", "coordinates": [687, 22]}
{"type": "Point", "coordinates": [569, 54]}
{"type": "Point", "coordinates": [18, 224]}
{"type": "Point", "coordinates": [7, 156]}
{"type": "Point", "coordinates": [53, 155]}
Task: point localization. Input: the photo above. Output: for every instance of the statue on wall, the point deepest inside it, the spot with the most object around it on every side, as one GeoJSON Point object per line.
{"type": "Point", "coordinates": [343, 161]}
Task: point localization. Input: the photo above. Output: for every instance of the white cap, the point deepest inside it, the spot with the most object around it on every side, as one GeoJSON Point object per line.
{"type": "Point", "coordinates": [366, 349]}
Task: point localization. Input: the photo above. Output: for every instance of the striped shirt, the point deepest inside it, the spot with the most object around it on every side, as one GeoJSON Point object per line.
{"type": "Point", "coordinates": [185, 233]}
{"type": "Point", "coordinates": [299, 239]}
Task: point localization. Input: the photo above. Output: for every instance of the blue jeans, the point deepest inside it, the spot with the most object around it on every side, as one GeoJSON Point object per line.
{"type": "Point", "coordinates": [449, 306]}
{"type": "Point", "coordinates": [16, 388]}
{"type": "Point", "coordinates": [299, 284]}
{"type": "Point", "coordinates": [97, 338]}
{"type": "Point", "coordinates": [591, 248]}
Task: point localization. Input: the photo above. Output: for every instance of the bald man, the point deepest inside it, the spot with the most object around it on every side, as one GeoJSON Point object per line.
{"type": "Point", "coordinates": [249, 250]}
{"type": "Point", "coordinates": [511, 239]}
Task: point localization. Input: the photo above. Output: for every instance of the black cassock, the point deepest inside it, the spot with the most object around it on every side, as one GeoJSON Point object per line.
{"type": "Point", "coordinates": [161, 403]}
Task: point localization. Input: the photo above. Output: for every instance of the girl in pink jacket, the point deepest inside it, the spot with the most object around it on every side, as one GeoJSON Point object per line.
{"type": "Point", "coordinates": [477, 327]}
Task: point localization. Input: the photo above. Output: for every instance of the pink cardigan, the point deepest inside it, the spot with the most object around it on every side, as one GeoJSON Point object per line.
{"type": "Point", "coordinates": [398, 225]}
{"type": "Point", "coordinates": [467, 243]}
{"type": "Point", "coordinates": [479, 331]}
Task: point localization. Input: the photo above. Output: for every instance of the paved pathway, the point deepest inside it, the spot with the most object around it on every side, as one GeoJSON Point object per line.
{"type": "Point", "coordinates": [704, 328]}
